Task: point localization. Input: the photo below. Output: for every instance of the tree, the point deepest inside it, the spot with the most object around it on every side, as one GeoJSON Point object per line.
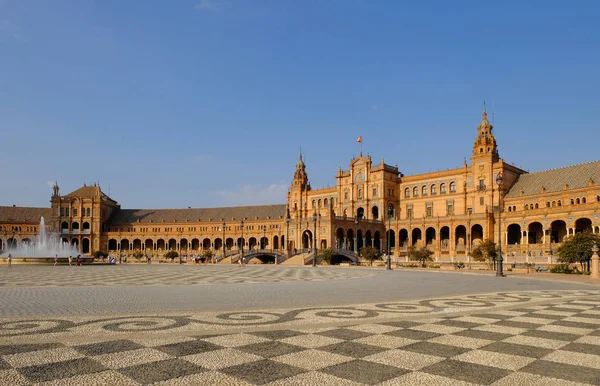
{"type": "Point", "coordinates": [326, 255]}
{"type": "Point", "coordinates": [422, 254]}
{"type": "Point", "coordinates": [207, 254]}
{"type": "Point", "coordinates": [370, 254]}
{"type": "Point", "coordinates": [578, 249]}
{"type": "Point", "coordinates": [100, 255]}
{"type": "Point", "coordinates": [138, 255]}
{"type": "Point", "coordinates": [486, 251]}
{"type": "Point", "coordinates": [171, 255]}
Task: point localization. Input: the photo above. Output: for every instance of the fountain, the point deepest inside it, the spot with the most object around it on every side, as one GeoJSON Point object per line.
{"type": "Point", "coordinates": [43, 249]}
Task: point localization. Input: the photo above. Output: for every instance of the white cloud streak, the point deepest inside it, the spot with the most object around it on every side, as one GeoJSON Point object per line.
{"type": "Point", "coordinates": [207, 5]}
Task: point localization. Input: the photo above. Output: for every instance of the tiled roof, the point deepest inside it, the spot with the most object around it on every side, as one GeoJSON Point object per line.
{"type": "Point", "coordinates": [554, 180]}
{"type": "Point", "coordinates": [24, 214]}
{"type": "Point", "coordinates": [198, 214]}
{"type": "Point", "coordinates": [88, 192]}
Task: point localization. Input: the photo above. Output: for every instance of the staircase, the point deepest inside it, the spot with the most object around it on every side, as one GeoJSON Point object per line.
{"type": "Point", "coordinates": [297, 259]}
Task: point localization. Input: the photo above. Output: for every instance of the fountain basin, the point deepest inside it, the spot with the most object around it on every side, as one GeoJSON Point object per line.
{"type": "Point", "coordinates": [45, 260]}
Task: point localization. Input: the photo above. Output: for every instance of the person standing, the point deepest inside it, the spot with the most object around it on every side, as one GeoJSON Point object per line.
{"type": "Point", "coordinates": [70, 260]}
{"type": "Point", "coordinates": [9, 259]}
{"type": "Point", "coordinates": [55, 259]}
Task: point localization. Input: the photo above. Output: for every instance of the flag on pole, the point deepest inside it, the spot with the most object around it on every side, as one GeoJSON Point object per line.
{"type": "Point", "coordinates": [359, 140]}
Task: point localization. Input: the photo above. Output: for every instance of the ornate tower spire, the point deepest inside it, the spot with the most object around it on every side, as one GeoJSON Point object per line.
{"type": "Point", "coordinates": [300, 176]}
{"type": "Point", "coordinates": [485, 143]}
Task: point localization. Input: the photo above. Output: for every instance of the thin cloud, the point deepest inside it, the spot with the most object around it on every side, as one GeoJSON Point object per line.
{"type": "Point", "coordinates": [373, 107]}
{"type": "Point", "coordinates": [254, 195]}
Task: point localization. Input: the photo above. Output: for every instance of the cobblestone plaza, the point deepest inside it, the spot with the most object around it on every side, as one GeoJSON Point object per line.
{"type": "Point", "coordinates": [260, 325]}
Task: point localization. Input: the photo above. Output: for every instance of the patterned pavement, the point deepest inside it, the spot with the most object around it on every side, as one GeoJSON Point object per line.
{"type": "Point", "coordinates": [513, 338]}
{"type": "Point", "coordinates": [162, 275]}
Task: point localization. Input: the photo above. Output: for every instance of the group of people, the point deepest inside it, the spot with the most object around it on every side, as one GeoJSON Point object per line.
{"type": "Point", "coordinates": [78, 260]}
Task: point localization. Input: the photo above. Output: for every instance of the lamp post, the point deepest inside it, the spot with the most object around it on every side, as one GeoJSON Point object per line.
{"type": "Point", "coordinates": [389, 257]}
{"type": "Point", "coordinates": [499, 272]}
{"type": "Point", "coordinates": [550, 249]}
{"type": "Point", "coordinates": [315, 239]}
{"type": "Point", "coordinates": [356, 222]}
{"type": "Point", "coordinates": [242, 226]}
{"type": "Point", "coordinates": [264, 240]}
{"type": "Point", "coordinates": [224, 246]}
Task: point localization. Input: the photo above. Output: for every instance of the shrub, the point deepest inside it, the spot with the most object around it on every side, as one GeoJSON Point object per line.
{"type": "Point", "coordinates": [561, 268]}
{"type": "Point", "coordinates": [138, 255]}
{"type": "Point", "coordinates": [100, 254]}
{"type": "Point", "coordinates": [171, 255]}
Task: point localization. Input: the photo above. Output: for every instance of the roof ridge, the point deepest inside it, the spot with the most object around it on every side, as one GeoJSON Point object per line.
{"type": "Point", "coordinates": [212, 207]}
{"type": "Point", "coordinates": [561, 167]}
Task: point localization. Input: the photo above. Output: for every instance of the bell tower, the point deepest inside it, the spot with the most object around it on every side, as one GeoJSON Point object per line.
{"type": "Point", "coordinates": [485, 144]}
{"type": "Point", "coordinates": [300, 176]}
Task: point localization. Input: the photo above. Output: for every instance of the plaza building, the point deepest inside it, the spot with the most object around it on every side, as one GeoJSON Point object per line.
{"type": "Point", "coordinates": [372, 204]}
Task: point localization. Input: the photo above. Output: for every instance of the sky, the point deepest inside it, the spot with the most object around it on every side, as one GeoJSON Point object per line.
{"type": "Point", "coordinates": [202, 103]}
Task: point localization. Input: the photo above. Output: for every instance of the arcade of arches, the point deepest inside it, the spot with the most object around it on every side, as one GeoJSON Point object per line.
{"type": "Point", "coordinates": [371, 204]}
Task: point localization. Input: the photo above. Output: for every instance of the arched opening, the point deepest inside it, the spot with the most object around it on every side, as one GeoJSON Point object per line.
{"type": "Point", "coordinates": [390, 236]}
{"type": "Point", "coordinates": [149, 245]}
{"type": "Point", "coordinates": [241, 243]}
{"type": "Point", "coordinates": [206, 244]}
{"type": "Point", "coordinates": [66, 241]}
{"type": "Point", "coordinates": [359, 240]}
{"type": "Point", "coordinates": [403, 238]}
{"type": "Point", "coordinates": [86, 226]}
{"type": "Point", "coordinates": [368, 239]}
{"type": "Point", "coordinates": [536, 233]}
{"type": "Point", "coordinates": [172, 245]}
{"type": "Point", "coordinates": [1, 245]}
{"type": "Point", "coordinates": [85, 245]}
{"type": "Point", "coordinates": [583, 225]}
{"type": "Point", "coordinates": [416, 236]}
{"type": "Point", "coordinates": [75, 243]}
{"type": "Point", "coordinates": [275, 242]}
{"type": "Point", "coordinates": [445, 237]}
{"type": "Point", "coordinates": [183, 244]}
{"type": "Point", "coordinates": [339, 237]}
{"type": "Point", "coordinates": [160, 245]}
{"type": "Point", "coordinates": [75, 227]}
{"type": "Point", "coordinates": [377, 240]}
{"type": "Point", "coordinates": [64, 227]}
{"type": "Point", "coordinates": [195, 244]}
{"type": "Point", "coordinates": [11, 243]}
{"type": "Point", "coordinates": [375, 213]}
{"type": "Point", "coordinates": [218, 244]}
{"type": "Point", "coordinates": [306, 239]}
{"type": "Point", "coordinates": [430, 236]}
{"type": "Point", "coordinates": [461, 236]}
{"type": "Point", "coordinates": [26, 241]}
{"type": "Point", "coordinates": [514, 234]}
{"type": "Point", "coordinates": [407, 193]}
{"type": "Point", "coordinates": [264, 243]}
{"type": "Point", "coordinates": [252, 242]}
{"type": "Point", "coordinates": [124, 245]}
{"type": "Point", "coordinates": [415, 192]}
{"type": "Point", "coordinates": [350, 239]}
{"type": "Point", "coordinates": [283, 244]}
{"type": "Point", "coordinates": [112, 245]}
{"type": "Point", "coordinates": [137, 244]}
{"type": "Point", "coordinates": [360, 213]}
{"type": "Point", "coordinates": [229, 244]}
{"type": "Point", "coordinates": [476, 234]}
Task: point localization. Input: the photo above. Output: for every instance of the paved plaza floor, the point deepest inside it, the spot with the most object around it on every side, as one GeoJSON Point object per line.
{"type": "Point", "coordinates": [214, 325]}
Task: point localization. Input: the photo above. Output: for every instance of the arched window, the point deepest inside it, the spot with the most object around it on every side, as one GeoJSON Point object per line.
{"type": "Point", "coordinates": [537, 206]}
{"type": "Point", "coordinates": [424, 190]}
{"type": "Point", "coordinates": [319, 203]}
{"type": "Point", "coordinates": [442, 188]}
{"type": "Point", "coordinates": [577, 201]}
{"type": "Point", "coordinates": [325, 203]}
{"type": "Point", "coordinates": [433, 189]}
{"type": "Point", "coordinates": [547, 204]}
{"type": "Point", "coordinates": [359, 194]}
{"type": "Point", "coordinates": [415, 192]}
{"type": "Point", "coordinates": [510, 209]}
{"type": "Point", "coordinates": [526, 206]}
{"type": "Point", "coordinates": [314, 204]}
{"type": "Point", "coordinates": [559, 203]}
{"type": "Point", "coordinates": [453, 187]}
{"type": "Point", "coordinates": [514, 208]}
{"type": "Point", "coordinates": [407, 193]}
{"type": "Point", "coordinates": [553, 204]}
{"type": "Point", "coordinates": [583, 200]}
{"type": "Point", "coordinates": [572, 202]}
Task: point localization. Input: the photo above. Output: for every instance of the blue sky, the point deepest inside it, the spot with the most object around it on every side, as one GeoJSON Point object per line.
{"type": "Point", "coordinates": [178, 103]}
